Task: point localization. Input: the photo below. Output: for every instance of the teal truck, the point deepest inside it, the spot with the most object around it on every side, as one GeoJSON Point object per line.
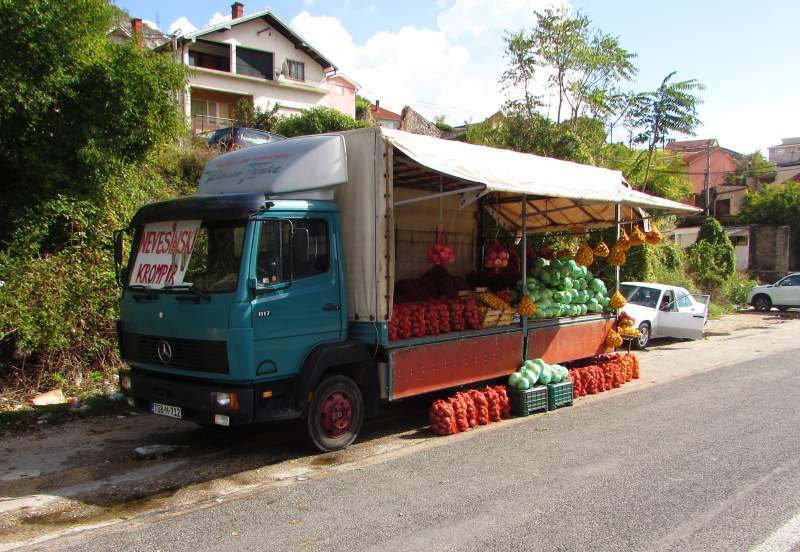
{"type": "Point", "coordinates": [267, 296]}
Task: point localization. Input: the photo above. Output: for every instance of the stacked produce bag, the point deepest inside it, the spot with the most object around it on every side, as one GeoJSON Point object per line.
{"type": "Point", "coordinates": [607, 372]}
{"type": "Point", "coordinates": [467, 409]}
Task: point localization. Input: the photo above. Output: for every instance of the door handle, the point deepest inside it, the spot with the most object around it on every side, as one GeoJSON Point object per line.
{"type": "Point", "coordinates": [330, 307]}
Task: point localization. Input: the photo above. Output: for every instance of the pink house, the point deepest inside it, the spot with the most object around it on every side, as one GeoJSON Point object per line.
{"type": "Point", "coordinates": [701, 156]}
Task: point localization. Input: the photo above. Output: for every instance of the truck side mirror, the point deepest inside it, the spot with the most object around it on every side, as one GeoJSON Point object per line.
{"type": "Point", "coordinates": [118, 247]}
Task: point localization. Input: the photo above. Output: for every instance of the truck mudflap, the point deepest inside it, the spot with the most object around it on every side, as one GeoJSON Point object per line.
{"type": "Point", "coordinates": [208, 402]}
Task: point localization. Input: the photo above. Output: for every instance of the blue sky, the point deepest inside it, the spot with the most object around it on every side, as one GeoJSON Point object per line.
{"type": "Point", "coordinates": [445, 56]}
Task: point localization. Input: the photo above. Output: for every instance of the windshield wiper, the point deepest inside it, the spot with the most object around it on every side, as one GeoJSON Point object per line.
{"type": "Point", "coordinates": [191, 289]}
{"type": "Point", "coordinates": [149, 293]}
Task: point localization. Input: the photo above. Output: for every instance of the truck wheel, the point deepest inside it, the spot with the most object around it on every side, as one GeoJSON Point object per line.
{"type": "Point", "coordinates": [335, 415]}
{"type": "Point", "coordinates": [762, 303]}
{"type": "Point", "coordinates": [644, 336]}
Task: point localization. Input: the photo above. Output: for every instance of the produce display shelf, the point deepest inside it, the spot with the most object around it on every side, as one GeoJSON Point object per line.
{"type": "Point", "coordinates": [559, 394]}
{"type": "Point", "coordinates": [528, 401]}
{"type": "Point", "coordinates": [452, 336]}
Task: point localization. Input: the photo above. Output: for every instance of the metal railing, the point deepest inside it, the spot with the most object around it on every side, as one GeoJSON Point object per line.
{"type": "Point", "coordinates": [206, 123]}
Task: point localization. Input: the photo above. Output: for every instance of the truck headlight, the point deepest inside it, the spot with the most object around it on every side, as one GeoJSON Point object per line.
{"type": "Point", "coordinates": [125, 382]}
{"type": "Point", "coordinates": [228, 401]}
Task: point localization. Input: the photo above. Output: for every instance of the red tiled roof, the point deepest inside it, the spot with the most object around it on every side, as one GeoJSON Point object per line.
{"type": "Point", "coordinates": [691, 144]}
{"type": "Point", "coordinates": [381, 113]}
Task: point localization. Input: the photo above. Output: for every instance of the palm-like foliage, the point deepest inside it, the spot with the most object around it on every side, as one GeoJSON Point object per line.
{"type": "Point", "coordinates": [670, 108]}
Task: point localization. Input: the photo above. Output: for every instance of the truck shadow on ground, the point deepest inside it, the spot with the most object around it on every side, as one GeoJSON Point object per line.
{"type": "Point", "coordinates": [105, 476]}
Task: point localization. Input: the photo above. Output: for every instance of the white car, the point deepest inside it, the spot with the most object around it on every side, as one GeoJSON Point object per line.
{"type": "Point", "coordinates": [664, 311]}
{"type": "Point", "coordinates": [783, 294]}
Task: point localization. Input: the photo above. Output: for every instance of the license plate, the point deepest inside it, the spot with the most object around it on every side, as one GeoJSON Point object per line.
{"type": "Point", "coordinates": [166, 410]}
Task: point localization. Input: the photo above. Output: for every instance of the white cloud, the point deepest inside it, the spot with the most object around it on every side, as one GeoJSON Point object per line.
{"type": "Point", "coordinates": [181, 24]}
{"type": "Point", "coordinates": [218, 18]}
{"type": "Point", "coordinates": [150, 24]}
{"type": "Point", "coordinates": [328, 35]}
{"type": "Point", "coordinates": [479, 17]}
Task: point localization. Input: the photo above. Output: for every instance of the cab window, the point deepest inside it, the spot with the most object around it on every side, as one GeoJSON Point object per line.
{"type": "Point", "coordinates": [277, 259]}
{"type": "Point", "coordinates": [684, 301]}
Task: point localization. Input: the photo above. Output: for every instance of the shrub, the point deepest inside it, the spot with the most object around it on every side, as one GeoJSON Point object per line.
{"type": "Point", "coordinates": [317, 120]}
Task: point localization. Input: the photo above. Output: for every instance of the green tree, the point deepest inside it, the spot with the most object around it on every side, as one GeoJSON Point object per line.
{"type": "Point", "coordinates": [248, 115]}
{"type": "Point", "coordinates": [441, 123]}
{"type": "Point", "coordinates": [362, 108]}
{"type": "Point", "coordinates": [712, 259]}
{"type": "Point", "coordinates": [317, 120]}
{"type": "Point", "coordinates": [752, 165]}
{"type": "Point", "coordinates": [585, 65]}
{"type": "Point", "coordinates": [670, 108]}
{"type": "Point", "coordinates": [777, 204]}
{"type": "Point", "coordinates": [667, 176]}
{"type": "Point", "coordinates": [83, 125]}
{"type": "Point", "coordinates": [73, 107]}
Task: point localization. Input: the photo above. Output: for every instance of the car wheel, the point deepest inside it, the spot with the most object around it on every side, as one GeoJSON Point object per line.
{"type": "Point", "coordinates": [642, 341]}
{"type": "Point", "coordinates": [762, 303]}
{"type": "Point", "coordinates": [335, 415]}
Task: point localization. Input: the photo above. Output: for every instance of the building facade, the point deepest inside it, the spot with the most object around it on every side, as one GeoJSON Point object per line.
{"type": "Point", "coordinates": [786, 158]}
{"type": "Point", "coordinates": [260, 59]}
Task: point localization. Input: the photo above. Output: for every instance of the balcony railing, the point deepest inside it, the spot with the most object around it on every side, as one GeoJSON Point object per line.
{"type": "Point", "coordinates": [206, 123]}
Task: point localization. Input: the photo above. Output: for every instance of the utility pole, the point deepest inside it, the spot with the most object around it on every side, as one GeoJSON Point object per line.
{"type": "Point", "coordinates": [706, 190]}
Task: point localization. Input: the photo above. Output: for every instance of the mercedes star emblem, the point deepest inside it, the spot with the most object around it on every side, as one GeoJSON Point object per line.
{"type": "Point", "coordinates": [164, 351]}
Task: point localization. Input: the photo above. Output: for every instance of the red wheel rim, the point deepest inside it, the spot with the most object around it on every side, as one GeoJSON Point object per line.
{"type": "Point", "coordinates": [337, 414]}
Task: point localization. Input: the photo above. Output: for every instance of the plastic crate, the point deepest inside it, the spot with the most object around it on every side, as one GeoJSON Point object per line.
{"type": "Point", "coordinates": [559, 394]}
{"type": "Point", "coordinates": [528, 401]}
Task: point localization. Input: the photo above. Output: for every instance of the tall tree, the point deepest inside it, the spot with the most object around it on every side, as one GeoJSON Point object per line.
{"type": "Point", "coordinates": [583, 65]}
{"type": "Point", "coordinates": [670, 108]}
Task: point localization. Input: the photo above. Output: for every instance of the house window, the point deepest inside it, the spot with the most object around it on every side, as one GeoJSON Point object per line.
{"type": "Point", "coordinates": [722, 207]}
{"type": "Point", "coordinates": [296, 70]}
{"type": "Point", "coordinates": [738, 240]}
{"type": "Point", "coordinates": [254, 63]}
{"type": "Point", "coordinates": [339, 89]}
{"type": "Point", "coordinates": [204, 108]}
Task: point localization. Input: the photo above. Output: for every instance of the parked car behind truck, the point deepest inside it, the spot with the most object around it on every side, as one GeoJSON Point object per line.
{"type": "Point", "coordinates": [664, 311]}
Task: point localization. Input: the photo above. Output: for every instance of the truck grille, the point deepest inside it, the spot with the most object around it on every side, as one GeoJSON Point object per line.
{"type": "Point", "coordinates": [188, 354]}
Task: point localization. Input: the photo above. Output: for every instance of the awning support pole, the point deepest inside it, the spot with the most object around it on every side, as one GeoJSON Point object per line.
{"type": "Point", "coordinates": [441, 194]}
{"type": "Point", "coordinates": [524, 289]}
{"type": "Point", "coordinates": [617, 220]}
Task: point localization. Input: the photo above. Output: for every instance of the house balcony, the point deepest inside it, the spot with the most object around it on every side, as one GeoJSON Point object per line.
{"type": "Point", "coordinates": [202, 124]}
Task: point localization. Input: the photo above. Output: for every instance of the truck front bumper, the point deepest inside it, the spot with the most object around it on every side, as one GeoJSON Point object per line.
{"type": "Point", "coordinates": [255, 402]}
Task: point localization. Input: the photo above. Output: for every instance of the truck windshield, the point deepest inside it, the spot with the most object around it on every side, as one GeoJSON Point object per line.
{"type": "Point", "coordinates": [177, 255]}
{"type": "Point", "coordinates": [640, 295]}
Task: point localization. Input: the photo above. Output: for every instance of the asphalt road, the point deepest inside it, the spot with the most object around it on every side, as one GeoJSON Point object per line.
{"type": "Point", "coordinates": [706, 462]}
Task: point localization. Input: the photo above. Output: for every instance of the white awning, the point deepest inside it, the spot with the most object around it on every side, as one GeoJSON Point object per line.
{"type": "Point", "coordinates": [562, 195]}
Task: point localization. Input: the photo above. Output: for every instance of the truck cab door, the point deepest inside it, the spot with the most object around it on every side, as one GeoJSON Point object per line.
{"type": "Point", "coordinates": [297, 301]}
{"type": "Point", "coordinates": [681, 317]}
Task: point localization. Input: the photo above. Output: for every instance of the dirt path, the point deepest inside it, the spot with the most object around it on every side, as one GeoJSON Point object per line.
{"type": "Point", "coordinates": [86, 474]}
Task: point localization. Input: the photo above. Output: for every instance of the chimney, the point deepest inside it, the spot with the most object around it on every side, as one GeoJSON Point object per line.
{"type": "Point", "coordinates": [136, 30]}
{"type": "Point", "coordinates": [377, 105]}
{"type": "Point", "coordinates": [237, 10]}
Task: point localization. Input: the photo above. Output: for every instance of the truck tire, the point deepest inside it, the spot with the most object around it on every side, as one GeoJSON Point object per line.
{"type": "Point", "coordinates": [335, 415]}
{"type": "Point", "coordinates": [762, 303]}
